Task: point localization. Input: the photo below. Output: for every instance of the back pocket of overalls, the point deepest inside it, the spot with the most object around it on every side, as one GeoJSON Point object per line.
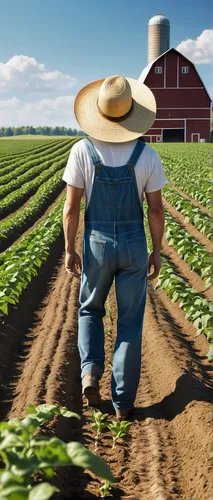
{"type": "Point", "coordinates": [137, 252]}
{"type": "Point", "coordinates": [95, 252]}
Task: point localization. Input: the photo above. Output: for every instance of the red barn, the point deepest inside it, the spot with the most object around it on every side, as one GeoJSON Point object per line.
{"type": "Point", "coordinates": [183, 103]}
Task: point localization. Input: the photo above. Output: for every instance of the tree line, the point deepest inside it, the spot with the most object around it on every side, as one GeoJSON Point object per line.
{"type": "Point", "coordinates": [10, 131]}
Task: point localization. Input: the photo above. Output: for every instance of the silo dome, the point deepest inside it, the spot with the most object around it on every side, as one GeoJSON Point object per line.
{"type": "Point", "coordinates": [158, 37]}
{"type": "Point", "coordinates": [160, 19]}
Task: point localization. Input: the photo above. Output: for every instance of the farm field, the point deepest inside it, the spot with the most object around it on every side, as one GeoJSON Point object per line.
{"type": "Point", "coordinates": [167, 452]}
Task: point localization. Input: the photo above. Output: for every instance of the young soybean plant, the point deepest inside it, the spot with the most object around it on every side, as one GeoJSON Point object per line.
{"type": "Point", "coordinates": [118, 429]}
{"type": "Point", "coordinates": [24, 452]}
{"type": "Point", "coordinates": [105, 489]}
{"type": "Point", "coordinates": [98, 423]}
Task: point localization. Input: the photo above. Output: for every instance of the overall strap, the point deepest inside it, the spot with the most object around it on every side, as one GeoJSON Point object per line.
{"type": "Point", "coordinates": [136, 153]}
{"type": "Point", "coordinates": [93, 153]}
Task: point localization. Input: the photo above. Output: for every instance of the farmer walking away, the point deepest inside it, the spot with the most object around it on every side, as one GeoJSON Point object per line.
{"type": "Point", "coordinates": [115, 169]}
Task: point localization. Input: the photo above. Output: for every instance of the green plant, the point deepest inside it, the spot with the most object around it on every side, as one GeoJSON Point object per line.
{"type": "Point", "coordinates": [98, 423]}
{"type": "Point", "coordinates": [25, 453]}
{"type": "Point", "coordinates": [180, 161]}
{"type": "Point", "coordinates": [108, 311]}
{"type": "Point", "coordinates": [118, 429]}
{"type": "Point", "coordinates": [21, 262]}
{"type": "Point", "coordinates": [21, 220]}
{"type": "Point", "coordinates": [191, 213]}
{"type": "Point", "coordinates": [108, 331]}
{"type": "Point", "coordinates": [189, 248]}
{"type": "Point", "coordinates": [105, 489]}
{"type": "Point", "coordinates": [198, 309]}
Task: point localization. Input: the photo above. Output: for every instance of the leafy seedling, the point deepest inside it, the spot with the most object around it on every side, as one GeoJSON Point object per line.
{"type": "Point", "coordinates": [118, 429]}
{"type": "Point", "coordinates": [108, 331]}
{"type": "Point", "coordinates": [24, 453]}
{"type": "Point", "coordinates": [108, 311]}
{"type": "Point", "coordinates": [105, 489]}
{"type": "Point", "coordinates": [98, 423]}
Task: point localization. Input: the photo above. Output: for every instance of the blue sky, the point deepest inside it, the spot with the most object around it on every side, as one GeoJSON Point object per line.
{"type": "Point", "coordinates": [67, 44]}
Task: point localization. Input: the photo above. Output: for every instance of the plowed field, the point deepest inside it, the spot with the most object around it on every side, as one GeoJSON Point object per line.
{"type": "Point", "coordinates": [166, 454]}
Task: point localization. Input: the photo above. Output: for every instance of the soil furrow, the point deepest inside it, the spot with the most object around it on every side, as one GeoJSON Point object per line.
{"type": "Point", "coordinates": [18, 330]}
{"type": "Point", "coordinates": [31, 386]}
{"type": "Point", "coordinates": [184, 391]}
{"type": "Point", "coordinates": [155, 462]}
{"type": "Point", "coordinates": [150, 438]}
{"type": "Point", "coordinates": [165, 455]}
{"type": "Point", "coordinates": [45, 340]}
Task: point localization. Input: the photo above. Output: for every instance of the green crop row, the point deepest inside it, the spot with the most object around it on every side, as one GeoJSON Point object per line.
{"type": "Point", "coordinates": [21, 220]}
{"type": "Point", "coordinates": [198, 310]}
{"type": "Point", "coordinates": [20, 166]}
{"type": "Point", "coordinates": [189, 248]}
{"type": "Point", "coordinates": [10, 148]}
{"type": "Point", "coordinates": [21, 262]}
{"type": "Point", "coordinates": [192, 214]}
{"type": "Point", "coordinates": [192, 160]}
{"type": "Point", "coordinates": [181, 178]}
{"type": "Point", "coordinates": [24, 453]}
{"type": "Point", "coordinates": [30, 170]}
{"type": "Point", "coordinates": [10, 202]}
{"type": "Point", "coordinates": [6, 161]}
{"type": "Point", "coordinates": [188, 166]}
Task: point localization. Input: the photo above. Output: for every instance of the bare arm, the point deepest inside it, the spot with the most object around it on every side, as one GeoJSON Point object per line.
{"type": "Point", "coordinates": [70, 225]}
{"type": "Point", "coordinates": [156, 225]}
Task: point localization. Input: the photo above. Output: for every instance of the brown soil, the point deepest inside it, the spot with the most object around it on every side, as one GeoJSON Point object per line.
{"type": "Point", "coordinates": [166, 455]}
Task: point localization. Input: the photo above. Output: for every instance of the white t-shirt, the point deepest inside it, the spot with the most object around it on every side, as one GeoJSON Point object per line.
{"type": "Point", "coordinates": [79, 171]}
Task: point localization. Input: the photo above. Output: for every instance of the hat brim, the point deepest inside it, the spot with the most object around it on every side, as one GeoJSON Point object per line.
{"type": "Point", "coordinates": [100, 127]}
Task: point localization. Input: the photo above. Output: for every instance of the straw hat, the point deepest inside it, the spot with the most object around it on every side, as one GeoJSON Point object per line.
{"type": "Point", "coordinates": [116, 109]}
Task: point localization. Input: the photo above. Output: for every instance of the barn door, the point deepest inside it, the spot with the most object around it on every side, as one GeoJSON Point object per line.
{"type": "Point", "coordinates": [195, 137]}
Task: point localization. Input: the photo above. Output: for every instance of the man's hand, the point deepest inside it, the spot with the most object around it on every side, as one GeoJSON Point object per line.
{"type": "Point", "coordinates": [154, 260]}
{"type": "Point", "coordinates": [73, 264]}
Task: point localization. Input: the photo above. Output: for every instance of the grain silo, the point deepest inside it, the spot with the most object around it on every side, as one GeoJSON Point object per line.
{"type": "Point", "coordinates": [158, 37]}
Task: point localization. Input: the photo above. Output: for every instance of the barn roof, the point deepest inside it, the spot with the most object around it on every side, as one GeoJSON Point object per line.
{"type": "Point", "coordinates": [147, 69]}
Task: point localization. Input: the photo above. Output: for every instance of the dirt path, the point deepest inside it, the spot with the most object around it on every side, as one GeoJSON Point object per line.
{"type": "Point", "coordinates": [167, 453]}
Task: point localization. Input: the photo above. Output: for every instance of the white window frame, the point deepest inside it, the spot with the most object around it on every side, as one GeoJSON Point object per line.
{"type": "Point", "coordinates": [184, 70]}
{"type": "Point", "coordinates": [158, 70]}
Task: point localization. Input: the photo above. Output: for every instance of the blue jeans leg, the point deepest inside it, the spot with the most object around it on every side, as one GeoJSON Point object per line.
{"type": "Point", "coordinates": [131, 285]}
{"type": "Point", "coordinates": [96, 282]}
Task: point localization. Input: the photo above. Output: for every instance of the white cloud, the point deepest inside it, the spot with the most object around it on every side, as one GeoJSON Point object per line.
{"type": "Point", "coordinates": [25, 73]}
{"type": "Point", "coordinates": [11, 103]}
{"type": "Point", "coordinates": [52, 112]}
{"type": "Point", "coordinates": [200, 50]}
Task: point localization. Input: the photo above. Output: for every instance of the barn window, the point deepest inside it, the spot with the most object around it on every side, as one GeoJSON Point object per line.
{"type": "Point", "coordinates": [185, 69]}
{"type": "Point", "coordinates": [158, 70]}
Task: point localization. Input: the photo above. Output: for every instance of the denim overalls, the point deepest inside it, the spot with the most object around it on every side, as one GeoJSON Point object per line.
{"type": "Point", "coordinates": [114, 247]}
